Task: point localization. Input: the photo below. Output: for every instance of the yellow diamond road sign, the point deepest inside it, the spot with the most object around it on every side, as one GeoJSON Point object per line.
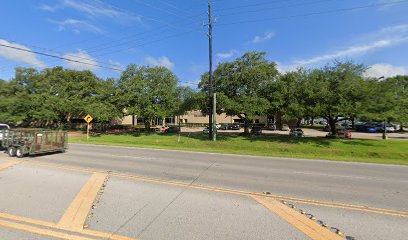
{"type": "Point", "coordinates": [88, 118]}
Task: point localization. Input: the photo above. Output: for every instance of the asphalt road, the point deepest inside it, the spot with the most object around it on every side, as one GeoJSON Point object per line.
{"type": "Point", "coordinates": [374, 185]}
{"type": "Point", "coordinates": [104, 192]}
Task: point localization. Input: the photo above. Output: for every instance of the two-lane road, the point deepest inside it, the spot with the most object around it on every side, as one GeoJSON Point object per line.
{"type": "Point", "coordinates": [374, 185]}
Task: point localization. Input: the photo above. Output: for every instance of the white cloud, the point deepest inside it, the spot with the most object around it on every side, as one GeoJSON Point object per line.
{"type": "Point", "coordinates": [85, 61]}
{"type": "Point", "coordinates": [387, 4]}
{"type": "Point", "coordinates": [98, 8]}
{"type": "Point", "coordinates": [282, 68]}
{"type": "Point", "coordinates": [76, 26]}
{"type": "Point", "coordinates": [161, 61]}
{"type": "Point", "coordinates": [48, 8]}
{"type": "Point", "coordinates": [116, 64]}
{"type": "Point", "coordinates": [386, 70]}
{"type": "Point", "coordinates": [93, 8]}
{"type": "Point", "coordinates": [227, 55]}
{"type": "Point", "coordinates": [18, 55]}
{"type": "Point", "coordinates": [386, 37]}
{"type": "Point", "coordinates": [267, 36]}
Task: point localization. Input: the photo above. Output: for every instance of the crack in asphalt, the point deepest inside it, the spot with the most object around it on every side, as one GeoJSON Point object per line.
{"type": "Point", "coordinates": [175, 198]}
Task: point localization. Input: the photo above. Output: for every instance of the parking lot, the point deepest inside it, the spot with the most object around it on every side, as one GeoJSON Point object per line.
{"type": "Point", "coordinates": [309, 132]}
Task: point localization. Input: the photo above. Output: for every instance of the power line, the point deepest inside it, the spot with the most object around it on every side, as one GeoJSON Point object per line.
{"type": "Point", "coordinates": [50, 50]}
{"type": "Point", "coordinates": [250, 5]}
{"type": "Point", "coordinates": [58, 57]}
{"type": "Point", "coordinates": [72, 60]}
{"type": "Point", "coordinates": [273, 8]}
{"type": "Point", "coordinates": [135, 14]}
{"type": "Point", "coordinates": [147, 43]}
{"type": "Point", "coordinates": [315, 13]}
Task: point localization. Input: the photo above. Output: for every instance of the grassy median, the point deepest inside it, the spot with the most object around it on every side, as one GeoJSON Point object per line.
{"type": "Point", "coordinates": [353, 150]}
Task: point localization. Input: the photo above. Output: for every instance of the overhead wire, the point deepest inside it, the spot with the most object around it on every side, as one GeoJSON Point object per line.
{"type": "Point", "coordinates": [273, 8]}
{"type": "Point", "coordinates": [59, 57]}
{"type": "Point", "coordinates": [315, 13]}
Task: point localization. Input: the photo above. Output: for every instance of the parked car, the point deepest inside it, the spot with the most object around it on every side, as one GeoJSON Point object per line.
{"type": "Point", "coordinates": [3, 127]}
{"type": "Point", "coordinates": [173, 129]}
{"type": "Point", "coordinates": [343, 132]}
{"type": "Point", "coordinates": [225, 126]}
{"type": "Point", "coordinates": [234, 126]}
{"type": "Point", "coordinates": [271, 127]}
{"type": "Point", "coordinates": [296, 132]}
{"type": "Point", "coordinates": [388, 127]}
{"type": "Point", "coordinates": [206, 130]}
{"type": "Point", "coordinates": [366, 127]}
{"type": "Point", "coordinates": [218, 126]}
{"type": "Point", "coordinates": [256, 130]}
{"type": "Point", "coordinates": [285, 127]}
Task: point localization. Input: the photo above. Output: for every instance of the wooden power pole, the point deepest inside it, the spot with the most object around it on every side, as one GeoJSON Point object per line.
{"type": "Point", "coordinates": [210, 83]}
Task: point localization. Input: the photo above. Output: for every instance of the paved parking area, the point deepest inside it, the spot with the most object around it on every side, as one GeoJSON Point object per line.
{"type": "Point", "coordinates": [50, 201]}
{"type": "Point", "coordinates": [309, 132]}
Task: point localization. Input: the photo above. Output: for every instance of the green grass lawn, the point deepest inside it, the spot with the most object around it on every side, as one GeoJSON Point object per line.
{"type": "Point", "coordinates": [353, 150]}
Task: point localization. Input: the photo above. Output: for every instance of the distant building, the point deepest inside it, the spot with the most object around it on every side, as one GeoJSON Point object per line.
{"type": "Point", "coordinates": [193, 117]}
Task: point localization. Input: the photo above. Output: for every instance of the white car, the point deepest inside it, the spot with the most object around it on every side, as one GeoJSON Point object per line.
{"type": "Point", "coordinates": [390, 129]}
{"type": "Point", "coordinates": [206, 130]}
{"type": "Point", "coordinates": [3, 127]}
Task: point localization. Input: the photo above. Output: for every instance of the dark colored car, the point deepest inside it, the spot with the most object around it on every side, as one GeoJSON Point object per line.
{"type": "Point", "coordinates": [296, 132]}
{"type": "Point", "coordinates": [256, 130]}
{"type": "Point", "coordinates": [234, 126]}
{"type": "Point", "coordinates": [172, 130]}
{"type": "Point", "coordinates": [368, 128]}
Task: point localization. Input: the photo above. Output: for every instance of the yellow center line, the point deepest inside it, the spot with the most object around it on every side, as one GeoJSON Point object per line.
{"type": "Point", "coordinates": [40, 231]}
{"type": "Point", "coordinates": [54, 226]}
{"type": "Point", "coordinates": [75, 216]}
{"type": "Point", "coordinates": [8, 164]}
{"type": "Point", "coordinates": [230, 191]}
{"type": "Point", "coordinates": [304, 224]}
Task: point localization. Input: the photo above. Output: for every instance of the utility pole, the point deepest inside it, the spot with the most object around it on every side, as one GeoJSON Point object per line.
{"type": "Point", "coordinates": [210, 83]}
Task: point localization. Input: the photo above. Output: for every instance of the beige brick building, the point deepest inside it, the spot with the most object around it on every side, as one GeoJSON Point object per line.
{"type": "Point", "coordinates": [193, 117]}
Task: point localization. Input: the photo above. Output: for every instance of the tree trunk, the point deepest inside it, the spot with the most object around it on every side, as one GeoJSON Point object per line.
{"type": "Point", "coordinates": [332, 124]}
{"type": "Point", "coordinates": [246, 126]}
{"type": "Point", "coordinates": [401, 127]}
{"type": "Point", "coordinates": [312, 122]}
{"type": "Point", "coordinates": [279, 120]}
{"type": "Point", "coordinates": [179, 123]}
{"type": "Point", "coordinates": [353, 122]}
{"type": "Point", "coordinates": [147, 125]}
{"type": "Point", "coordinates": [299, 121]}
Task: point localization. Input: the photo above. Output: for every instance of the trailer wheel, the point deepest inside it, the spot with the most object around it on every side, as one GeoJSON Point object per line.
{"type": "Point", "coordinates": [20, 152]}
{"type": "Point", "coordinates": [11, 151]}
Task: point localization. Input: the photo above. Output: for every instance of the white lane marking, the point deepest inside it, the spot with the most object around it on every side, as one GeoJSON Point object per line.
{"type": "Point", "coordinates": [349, 176]}
{"type": "Point", "coordinates": [332, 175]}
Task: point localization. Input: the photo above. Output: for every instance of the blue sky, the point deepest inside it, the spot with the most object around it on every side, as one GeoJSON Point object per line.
{"type": "Point", "coordinates": [294, 33]}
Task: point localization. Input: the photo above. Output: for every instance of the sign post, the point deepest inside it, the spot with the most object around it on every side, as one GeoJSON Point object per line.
{"type": "Point", "coordinates": [88, 119]}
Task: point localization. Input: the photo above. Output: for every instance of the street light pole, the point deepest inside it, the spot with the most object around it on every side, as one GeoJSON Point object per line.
{"type": "Point", "coordinates": [384, 134]}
